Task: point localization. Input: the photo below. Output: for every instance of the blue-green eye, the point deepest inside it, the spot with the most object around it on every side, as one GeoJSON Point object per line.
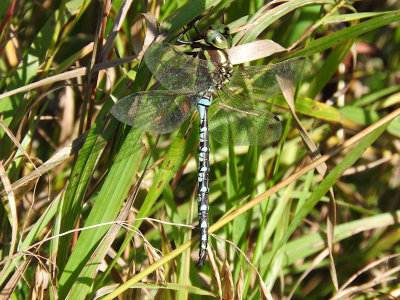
{"type": "Point", "coordinates": [219, 37]}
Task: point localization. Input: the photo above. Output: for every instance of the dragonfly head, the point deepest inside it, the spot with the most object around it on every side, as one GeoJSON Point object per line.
{"type": "Point", "coordinates": [219, 37]}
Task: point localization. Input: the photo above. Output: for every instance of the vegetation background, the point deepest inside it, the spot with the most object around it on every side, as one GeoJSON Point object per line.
{"type": "Point", "coordinates": [78, 188]}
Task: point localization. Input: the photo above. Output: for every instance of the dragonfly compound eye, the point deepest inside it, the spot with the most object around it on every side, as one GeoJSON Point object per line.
{"type": "Point", "coordinates": [219, 37]}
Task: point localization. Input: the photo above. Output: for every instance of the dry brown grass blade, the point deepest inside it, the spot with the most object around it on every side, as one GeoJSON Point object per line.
{"type": "Point", "coordinates": [136, 32]}
{"type": "Point", "coordinates": [13, 281]}
{"type": "Point", "coordinates": [41, 283]}
{"type": "Point", "coordinates": [287, 91]}
{"type": "Point", "coordinates": [153, 257]}
{"type": "Point", "coordinates": [252, 51]}
{"type": "Point", "coordinates": [215, 271]}
{"type": "Point", "coordinates": [14, 216]}
{"type": "Point", "coordinates": [343, 291]}
{"type": "Point", "coordinates": [330, 224]}
{"type": "Point", "coordinates": [381, 277]}
{"type": "Point", "coordinates": [227, 281]}
{"type": "Point", "coordinates": [239, 285]}
{"type": "Point", "coordinates": [16, 142]}
{"type": "Point", "coordinates": [264, 293]}
{"type": "Point", "coordinates": [90, 84]}
{"type": "Point", "coordinates": [119, 19]}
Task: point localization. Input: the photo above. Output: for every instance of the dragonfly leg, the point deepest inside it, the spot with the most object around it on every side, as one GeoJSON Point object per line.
{"type": "Point", "coordinates": [203, 186]}
{"type": "Point", "coordinates": [185, 30]}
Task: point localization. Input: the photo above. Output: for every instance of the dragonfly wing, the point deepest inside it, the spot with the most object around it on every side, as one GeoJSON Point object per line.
{"type": "Point", "coordinates": [155, 111]}
{"type": "Point", "coordinates": [261, 83]}
{"type": "Point", "coordinates": [176, 70]}
{"type": "Point", "coordinates": [236, 122]}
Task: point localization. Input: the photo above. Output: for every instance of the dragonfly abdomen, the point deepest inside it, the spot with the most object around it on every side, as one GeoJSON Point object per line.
{"type": "Point", "coordinates": [220, 59]}
{"type": "Point", "coordinates": [203, 173]}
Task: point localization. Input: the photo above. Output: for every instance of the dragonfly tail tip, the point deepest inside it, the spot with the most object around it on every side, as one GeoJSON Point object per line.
{"type": "Point", "coordinates": [202, 258]}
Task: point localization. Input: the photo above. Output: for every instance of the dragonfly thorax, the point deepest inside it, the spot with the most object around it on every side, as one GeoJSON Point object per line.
{"type": "Point", "coordinates": [221, 61]}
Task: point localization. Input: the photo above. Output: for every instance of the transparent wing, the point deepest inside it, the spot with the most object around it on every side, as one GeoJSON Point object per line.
{"type": "Point", "coordinates": [176, 70]}
{"type": "Point", "coordinates": [239, 123]}
{"type": "Point", "coordinates": [260, 82]}
{"type": "Point", "coordinates": [155, 111]}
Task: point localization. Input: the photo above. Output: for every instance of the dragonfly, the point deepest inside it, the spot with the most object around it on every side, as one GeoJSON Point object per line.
{"type": "Point", "coordinates": [207, 81]}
